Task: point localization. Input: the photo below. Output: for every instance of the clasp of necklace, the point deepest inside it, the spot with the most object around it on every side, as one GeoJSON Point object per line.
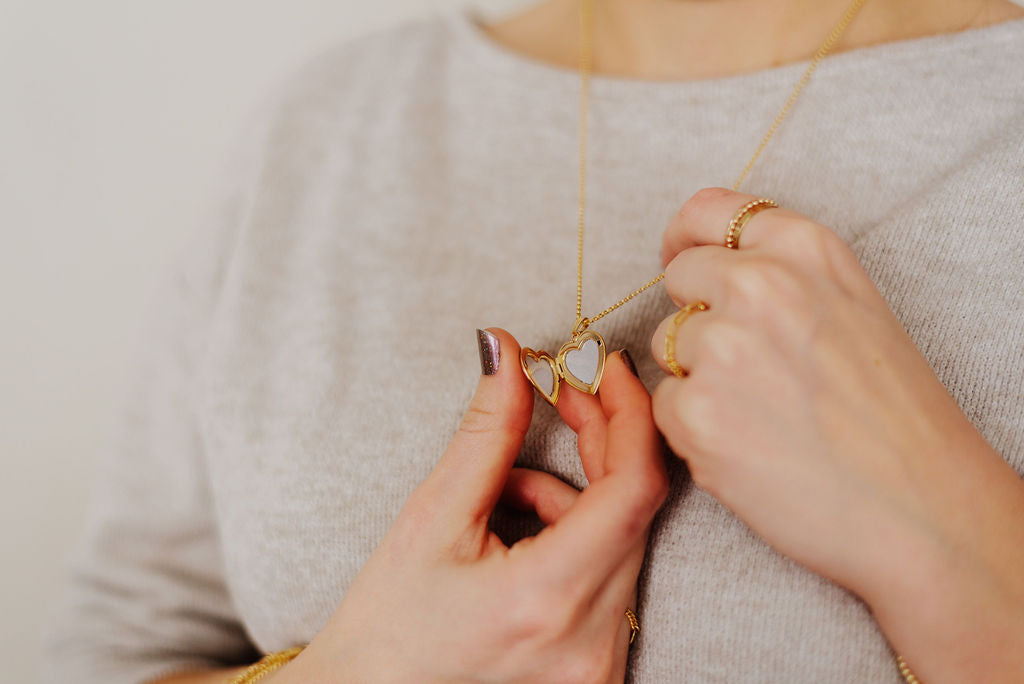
{"type": "Point", "coordinates": [582, 324]}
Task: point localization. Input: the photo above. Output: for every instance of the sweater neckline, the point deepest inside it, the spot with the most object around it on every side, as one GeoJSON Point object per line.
{"type": "Point", "coordinates": [534, 74]}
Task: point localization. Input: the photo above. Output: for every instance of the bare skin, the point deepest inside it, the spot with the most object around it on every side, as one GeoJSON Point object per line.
{"type": "Point", "coordinates": [684, 40]}
{"type": "Point", "coordinates": [687, 40]}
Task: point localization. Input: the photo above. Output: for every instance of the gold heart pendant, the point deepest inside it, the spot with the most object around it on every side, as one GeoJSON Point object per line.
{"type": "Point", "coordinates": [581, 361]}
{"type": "Point", "coordinates": [542, 372]}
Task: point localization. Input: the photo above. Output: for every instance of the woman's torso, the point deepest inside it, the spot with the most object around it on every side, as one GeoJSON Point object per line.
{"type": "Point", "coordinates": [422, 184]}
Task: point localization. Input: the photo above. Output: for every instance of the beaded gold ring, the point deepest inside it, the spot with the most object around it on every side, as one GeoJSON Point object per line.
{"type": "Point", "coordinates": [670, 336]}
{"type": "Point", "coordinates": [739, 221]}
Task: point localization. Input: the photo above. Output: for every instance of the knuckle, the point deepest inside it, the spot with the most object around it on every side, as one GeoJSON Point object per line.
{"type": "Point", "coordinates": [479, 420]}
{"type": "Point", "coordinates": [807, 240]}
{"type": "Point", "coordinates": [748, 282]}
{"type": "Point", "coordinates": [771, 297]}
{"type": "Point", "coordinates": [760, 286]}
{"type": "Point", "coordinates": [637, 412]}
{"type": "Point", "coordinates": [840, 252]}
{"type": "Point", "coordinates": [651, 492]}
{"type": "Point", "coordinates": [706, 196]}
{"type": "Point", "coordinates": [723, 345]}
{"type": "Point", "coordinates": [689, 212]}
{"type": "Point", "coordinates": [640, 502]}
{"type": "Point", "coordinates": [675, 271]}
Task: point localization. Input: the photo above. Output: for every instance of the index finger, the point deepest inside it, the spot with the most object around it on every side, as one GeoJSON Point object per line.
{"type": "Point", "coordinates": [704, 220]}
{"type": "Point", "coordinates": [613, 514]}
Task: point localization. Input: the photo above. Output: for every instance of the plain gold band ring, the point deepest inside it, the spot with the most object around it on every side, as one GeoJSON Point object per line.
{"type": "Point", "coordinates": [634, 625]}
{"type": "Point", "coordinates": [739, 221]}
{"type": "Point", "coordinates": [670, 336]}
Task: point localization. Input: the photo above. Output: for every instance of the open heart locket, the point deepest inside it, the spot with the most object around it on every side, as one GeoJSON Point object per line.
{"type": "Point", "coordinates": [580, 362]}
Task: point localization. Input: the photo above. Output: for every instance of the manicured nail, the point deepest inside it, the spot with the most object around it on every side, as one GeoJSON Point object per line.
{"type": "Point", "coordinates": [628, 360]}
{"type": "Point", "coordinates": [490, 352]}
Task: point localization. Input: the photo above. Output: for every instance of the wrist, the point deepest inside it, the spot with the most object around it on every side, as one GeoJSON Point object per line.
{"type": "Point", "coordinates": [949, 594]}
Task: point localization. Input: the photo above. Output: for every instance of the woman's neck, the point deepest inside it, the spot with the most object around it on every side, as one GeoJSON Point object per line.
{"type": "Point", "coordinates": [697, 39]}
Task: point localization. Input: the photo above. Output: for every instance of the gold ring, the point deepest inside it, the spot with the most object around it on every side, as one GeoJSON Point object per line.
{"type": "Point", "coordinates": [634, 625]}
{"type": "Point", "coordinates": [732, 235]}
{"type": "Point", "coordinates": [670, 336]}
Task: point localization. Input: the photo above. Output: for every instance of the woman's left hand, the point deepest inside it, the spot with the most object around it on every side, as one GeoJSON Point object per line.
{"type": "Point", "coordinates": [808, 410]}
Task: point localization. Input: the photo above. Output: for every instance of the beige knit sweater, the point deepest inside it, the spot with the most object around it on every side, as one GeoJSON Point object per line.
{"type": "Point", "coordinates": [314, 349]}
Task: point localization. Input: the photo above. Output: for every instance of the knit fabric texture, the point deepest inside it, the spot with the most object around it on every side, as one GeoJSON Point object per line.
{"type": "Point", "coordinates": [313, 350]}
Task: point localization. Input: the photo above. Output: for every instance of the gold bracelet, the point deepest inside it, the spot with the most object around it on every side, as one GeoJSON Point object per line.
{"type": "Point", "coordinates": [266, 665]}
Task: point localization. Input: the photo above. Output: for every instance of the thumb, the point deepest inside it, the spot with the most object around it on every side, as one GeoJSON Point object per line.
{"type": "Point", "coordinates": [472, 472]}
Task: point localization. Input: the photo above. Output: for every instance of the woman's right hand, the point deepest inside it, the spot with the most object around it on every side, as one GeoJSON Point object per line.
{"type": "Point", "coordinates": [442, 599]}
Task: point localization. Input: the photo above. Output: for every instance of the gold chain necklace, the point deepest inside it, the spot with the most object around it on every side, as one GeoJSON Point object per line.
{"type": "Point", "coordinates": [580, 361]}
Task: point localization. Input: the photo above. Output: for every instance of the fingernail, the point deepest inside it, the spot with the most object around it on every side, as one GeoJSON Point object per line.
{"type": "Point", "coordinates": [490, 352]}
{"type": "Point", "coordinates": [628, 360]}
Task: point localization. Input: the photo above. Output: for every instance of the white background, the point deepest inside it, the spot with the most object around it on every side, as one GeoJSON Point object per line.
{"type": "Point", "coordinates": [115, 116]}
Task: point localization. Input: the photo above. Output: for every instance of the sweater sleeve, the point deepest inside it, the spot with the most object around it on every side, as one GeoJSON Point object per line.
{"type": "Point", "coordinates": [146, 592]}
